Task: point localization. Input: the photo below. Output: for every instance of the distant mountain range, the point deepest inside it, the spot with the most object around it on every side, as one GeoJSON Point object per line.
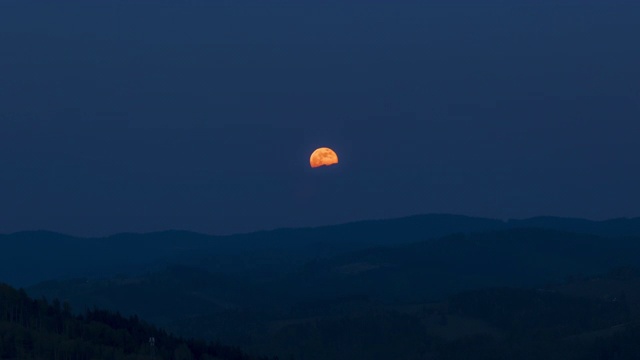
{"type": "Point", "coordinates": [30, 257]}
{"type": "Point", "coordinates": [416, 272]}
{"type": "Point", "coordinates": [286, 292]}
{"type": "Point", "coordinates": [342, 309]}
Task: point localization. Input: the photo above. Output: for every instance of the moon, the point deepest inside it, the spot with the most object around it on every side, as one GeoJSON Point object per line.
{"type": "Point", "coordinates": [323, 157]}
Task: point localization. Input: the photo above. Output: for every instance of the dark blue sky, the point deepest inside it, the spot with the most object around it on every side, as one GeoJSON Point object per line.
{"type": "Point", "coordinates": [201, 115]}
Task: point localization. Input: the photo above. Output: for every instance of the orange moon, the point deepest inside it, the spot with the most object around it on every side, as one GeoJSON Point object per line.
{"type": "Point", "coordinates": [323, 157]}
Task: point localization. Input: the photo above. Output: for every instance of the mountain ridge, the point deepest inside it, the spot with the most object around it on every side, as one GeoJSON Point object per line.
{"type": "Point", "coordinates": [33, 256]}
{"type": "Point", "coordinates": [508, 221]}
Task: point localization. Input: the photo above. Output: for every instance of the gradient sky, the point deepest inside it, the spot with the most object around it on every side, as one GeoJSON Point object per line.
{"type": "Point", "coordinates": [201, 115]}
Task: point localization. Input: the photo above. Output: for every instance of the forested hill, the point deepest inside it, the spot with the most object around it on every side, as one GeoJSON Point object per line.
{"type": "Point", "coordinates": [35, 329]}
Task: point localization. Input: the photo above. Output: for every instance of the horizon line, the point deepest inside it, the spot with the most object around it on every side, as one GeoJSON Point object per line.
{"type": "Point", "coordinates": [177, 230]}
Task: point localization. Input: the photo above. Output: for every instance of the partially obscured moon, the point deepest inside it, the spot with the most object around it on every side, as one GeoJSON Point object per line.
{"type": "Point", "coordinates": [323, 157]}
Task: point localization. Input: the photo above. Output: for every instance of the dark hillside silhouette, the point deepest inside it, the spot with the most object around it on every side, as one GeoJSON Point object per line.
{"type": "Point", "coordinates": [35, 329]}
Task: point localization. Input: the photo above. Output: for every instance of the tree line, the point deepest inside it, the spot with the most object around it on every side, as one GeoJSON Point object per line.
{"type": "Point", "coordinates": [39, 329]}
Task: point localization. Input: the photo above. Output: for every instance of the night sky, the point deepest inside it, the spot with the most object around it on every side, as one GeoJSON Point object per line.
{"type": "Point", "coordinates": [201, 115]}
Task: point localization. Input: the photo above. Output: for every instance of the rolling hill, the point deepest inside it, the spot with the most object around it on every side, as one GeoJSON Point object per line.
{"type": "Point", "coordinates": [30, 257]}
{"type": "Point", "coordinates": [256, 312]}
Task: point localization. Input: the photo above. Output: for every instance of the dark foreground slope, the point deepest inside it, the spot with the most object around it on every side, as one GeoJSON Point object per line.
{"type": "Point", "coordinates": [34, 329]}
